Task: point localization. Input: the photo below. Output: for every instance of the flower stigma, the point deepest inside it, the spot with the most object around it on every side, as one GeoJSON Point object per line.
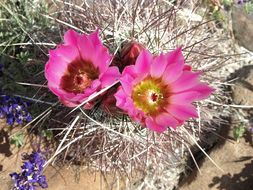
{"type": "Point", "coordinates": [79, 76]}
{"type": "Point", "coordinates": [151, 96]}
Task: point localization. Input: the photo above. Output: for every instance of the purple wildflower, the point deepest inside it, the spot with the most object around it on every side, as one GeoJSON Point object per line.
{"type": "Point", "coordinates": [31, 175]}
{"type": "Point", "coordinates": [242, 1]}
{"type": "Point", "coordinates": [250, 127]}
{"type": "Point", "coordinates": [14, 110]}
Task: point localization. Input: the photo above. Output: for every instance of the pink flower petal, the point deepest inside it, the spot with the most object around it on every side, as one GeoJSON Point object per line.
{"type": "Point", "coordinates": [105, 58]}
{"type": "Point", "coordinates": [94, 38]}
{"type": "Point", "coordinates": [130, 108]}
{"type": "Point", "coordinates": [172, 73]}
{"type": "Point", "coordinates": [139, 78]}
{"type": "Point", "coordinates": [110, 76]}
{"type": "Point", "coordinates": [175, 56]}
{"type": "Point", "coordinates": [86, 48]}
{"type": "Point", "coordinates": [126, 103]}
{"type": "Point", "coordinates": [139, 115]}
{"type": "Point", "coordinates": [56, 63]}
{"type": "Point", "coordinates": [182, 112]}
{"type": "Point", "coordinates": [186, 81]}
{"type": "Point", "coordinates": [73, 100]}
{"type": "Point", "coordinates": [68, 99]}
{"type": "Point", "coordinates": [67, 53]}
{"type": "Point", "coordinates": [70, 37]}
{"type": "Point", "coordinates": [143, 62]}
{"type": "Point", "coordinates": [127, 84]}
{"type": "Point", "coordinates": [175, 66]}
{"type": "Point", "coordinates": [184, 97]}
{"type": "Point", "coordinates": [129, 53]}
{"type": "Point", "coordinates": [203, 89]}
{"type": "Point", "coordinates": [95, 86]}
{"type": "Point", "coordinates": [102, 53]}
{"type": "Point", "coordinates": [54, 69]}
{"type": "Point", "coordinates": [120, 96]}
{"type": "Point", "coordinates": [92, 49]}
{"type": "Point", "coordinates": [68, 103]}
{"type": "Point", "coordinates": [165, 119]}
{"type": "Point", "coordinates": [158, 66]}
{"type": "Point", "coordinates": [187, 68]}
{"type": "Point", "coordinates": [129, 70]}
{"type": "Point", "coordinates": [53, 80]}
{"type": "Point", "coordinates": [152, 125]}
{"type": "Point", "coordinates": [88, 105]}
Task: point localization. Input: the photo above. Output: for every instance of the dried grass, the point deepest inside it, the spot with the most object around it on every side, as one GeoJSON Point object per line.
{"type": "Point", "coordinates": [113, 142]}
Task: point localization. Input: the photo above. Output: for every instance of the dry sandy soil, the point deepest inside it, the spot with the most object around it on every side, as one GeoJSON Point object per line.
{"type": "Point", "coordinates": [59, 178]}
{"type": "Point", "coordinates": [236, 161]}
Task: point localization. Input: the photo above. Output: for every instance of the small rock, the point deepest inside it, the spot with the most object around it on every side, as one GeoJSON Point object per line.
{"type": "Point", "coordinates": [242, 27]}
{"type": "Point", "coordinates": [243, 87]}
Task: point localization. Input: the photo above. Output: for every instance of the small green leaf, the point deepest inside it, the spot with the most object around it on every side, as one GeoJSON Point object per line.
{"type": "Point", "coordinates": [248, 7]}
{"type": "Point", "coordinates": [17, 140]}
{"type": "Point", "coordinates": [23, 57]}
{"type": "Point", "coordinates": [239, 132]}
{"type": "Point", "coordinates": [47, 134]}
{"type": "Point", "coordinates": [218, 16]}
{"type": "Point", "coordinates": [227, 2]}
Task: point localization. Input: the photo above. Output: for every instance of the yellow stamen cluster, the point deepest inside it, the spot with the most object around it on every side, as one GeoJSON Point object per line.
{"type": "Point", "coordinates": [151, 95]}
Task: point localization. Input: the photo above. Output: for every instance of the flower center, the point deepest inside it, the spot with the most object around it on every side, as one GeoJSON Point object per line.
{"type": "Point", "coordinates": [151, 96]}
{"type": "Point", "coordinates": [79, 76]}
{"type": "Point", "coordinates": [82, 81]}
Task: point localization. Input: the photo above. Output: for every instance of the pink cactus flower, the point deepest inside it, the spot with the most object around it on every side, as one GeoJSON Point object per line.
{"type": "Point", "coordinates": [158, 91]}
{"type": "Point", "coordinates": [127, 55]}
{"type": "Point", "coordinates": [79, 68]}
{"type": "Point", "coordinates": [130, 52]}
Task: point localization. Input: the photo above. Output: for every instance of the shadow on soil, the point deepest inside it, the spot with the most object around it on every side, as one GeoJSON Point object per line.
{"type": "Point", "coordinates": [240, 76]}
{"type": "Point", "coordinates": [218, 142]}
{"type": "Point", "coordinates": [4, 145]}
{"type": "Point", "coordinates": [244, 179]}
{"type": "Point", "coordinates": [248, 138]}
{"type": "Point", "coordinates": [240, 181]}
